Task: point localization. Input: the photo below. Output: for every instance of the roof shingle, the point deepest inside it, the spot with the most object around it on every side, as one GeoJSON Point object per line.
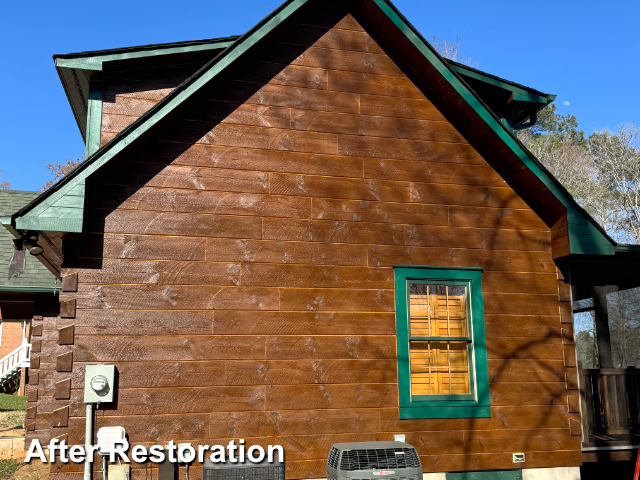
{"type": "Point", "coordinates": [35, 274]}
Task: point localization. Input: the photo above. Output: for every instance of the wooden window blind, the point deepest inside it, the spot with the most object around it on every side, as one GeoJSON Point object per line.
{"type": "Point", "coordinates": [439, 339]}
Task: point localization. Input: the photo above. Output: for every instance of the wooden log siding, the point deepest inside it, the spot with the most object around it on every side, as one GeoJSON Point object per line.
{"type": "Point", "coordinates": [239, 270]}
{"type": "Point", "coordinates": [129, 93]}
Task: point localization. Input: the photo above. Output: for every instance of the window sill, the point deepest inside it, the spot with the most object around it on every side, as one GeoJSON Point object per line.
{"type": "Point", "coordinates": [476, 411]}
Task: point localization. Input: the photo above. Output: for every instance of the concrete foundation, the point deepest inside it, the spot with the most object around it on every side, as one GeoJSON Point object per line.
{"type": "Point", "coordinates": [558, 473]}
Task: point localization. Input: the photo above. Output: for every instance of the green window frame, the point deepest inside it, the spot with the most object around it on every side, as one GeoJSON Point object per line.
{"type": "Point", "coordinates": [477, 404]}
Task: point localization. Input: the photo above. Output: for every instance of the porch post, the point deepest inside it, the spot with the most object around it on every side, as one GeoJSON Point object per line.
{"type": "Point", "coordinates": [603, 336]}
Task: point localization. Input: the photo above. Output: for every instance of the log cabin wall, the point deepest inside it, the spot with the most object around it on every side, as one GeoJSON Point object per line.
{"type": "Point", "coordinates": [238, 271]}
{"type": "Point", "coordinates": [129, 91]}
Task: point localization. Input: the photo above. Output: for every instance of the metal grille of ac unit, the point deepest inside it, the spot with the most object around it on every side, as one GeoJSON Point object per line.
{"type": "Point", "coordinates": [373, 461]}
{"type": "Point", "coordinates": [242, 471]}
{"type": "Point", "coordinates": [332, 461]}
{"type": "Point", "coordinates": [382, 458]}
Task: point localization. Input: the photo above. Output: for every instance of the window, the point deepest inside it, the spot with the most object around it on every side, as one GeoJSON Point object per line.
{"type": "Point", "coordinates": [442, 357]}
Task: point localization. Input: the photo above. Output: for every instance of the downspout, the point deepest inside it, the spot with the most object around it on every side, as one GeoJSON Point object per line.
{"type": "Point", "coordinates": [88, 438]}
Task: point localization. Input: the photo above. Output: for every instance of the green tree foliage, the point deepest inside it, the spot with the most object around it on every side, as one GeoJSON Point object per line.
{"type": "Point", "coordinates": [559, 126]}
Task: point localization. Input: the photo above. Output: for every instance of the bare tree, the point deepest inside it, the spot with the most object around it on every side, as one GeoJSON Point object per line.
{"type": "Point", "coordinates": [616, 153]}
{"type": "Point", "coordinates": [624, 323]}
{"type": "Point", "coordinates": [574, 168]}
{"type": "Point", "coordinates": [60, 170]}
{"type": "Point", "coordinates": [452, 51]}
{"type": "Point", "coordinates": [4, 185]}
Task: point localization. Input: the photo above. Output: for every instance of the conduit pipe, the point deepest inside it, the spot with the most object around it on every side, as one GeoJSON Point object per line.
{"type": "Point", "coordinates": [88, 439]}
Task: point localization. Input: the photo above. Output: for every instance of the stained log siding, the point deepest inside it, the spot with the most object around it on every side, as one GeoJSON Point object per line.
{"type": "Point", "coordinates": [238, 271]}
{"type": "Point", "coordinates": [128, 92]}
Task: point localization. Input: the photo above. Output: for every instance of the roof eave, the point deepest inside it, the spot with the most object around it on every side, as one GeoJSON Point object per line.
{"type": "Point", "coordinates": [239, 49]}
{"type": "Point", "coordinates": [131, 133]}
{"type": "Point", "coordinates": [76, 69]}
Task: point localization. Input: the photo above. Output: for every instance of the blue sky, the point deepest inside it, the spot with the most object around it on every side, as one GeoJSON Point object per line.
{"type": "Point", "coordinates": [586, 52]}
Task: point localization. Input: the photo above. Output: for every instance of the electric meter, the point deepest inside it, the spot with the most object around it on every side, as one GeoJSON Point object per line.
{"type": "Point", "coordinates": [99, 383]}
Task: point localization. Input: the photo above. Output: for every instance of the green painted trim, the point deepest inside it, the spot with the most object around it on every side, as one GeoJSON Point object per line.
{"type": "Point", "coordinates": [418, 268]}
{"type": "Point", "coordinates": [27, 289]}
{"type": "Point", "coordinates": [94, 118]}
{"type": "Point", "coordinates": [445, 412]}
{"type": "Point", "coordinates": [628, 249]}
{"type": "Point", "coordinates": [487, 475]}
{"type": "Point", "coordinates": [95, 60]}
{"type": "Point", "coordinates": [475, 405]}
{"type": "Point", "coordinates": [28, 216]}
{"type": "Point", "coordinates": [603, 244]}
{"type": "Point", "coordinates": [519, 93]}
{"type": "Point", "coordinates": [435, 339]}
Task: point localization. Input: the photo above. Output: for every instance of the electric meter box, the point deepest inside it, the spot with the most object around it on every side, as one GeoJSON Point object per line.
{"type": "Point", "coordinates": [99, 383]}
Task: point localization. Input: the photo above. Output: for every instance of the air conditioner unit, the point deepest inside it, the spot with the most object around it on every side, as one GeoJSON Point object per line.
{"type": "Point", "coordinates": [373, 461]}
{"type": "Point", "coordinates": [243, 471]}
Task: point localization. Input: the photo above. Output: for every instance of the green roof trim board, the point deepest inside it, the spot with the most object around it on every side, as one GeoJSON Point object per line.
{"type": "Point", "coordinates": [95, 60]}
{"type": "Point", "coordinates": [35, 277]}
{"type": "Point", "coordinates": [77, 70]}
{"type": "Point", "coordinates": [520, 92]}
{"type": "Point", "coordinates": [61, 207]}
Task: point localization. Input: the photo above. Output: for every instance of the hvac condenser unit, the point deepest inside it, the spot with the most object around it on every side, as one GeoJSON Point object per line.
{"type": "Point", "coordinates": [243, 471]}
{"type": "Point", "coordinates": [373, 461]}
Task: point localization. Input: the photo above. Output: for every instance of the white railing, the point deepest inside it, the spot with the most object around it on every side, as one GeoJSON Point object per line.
{"type": "Point", "coordinates": [20, 357]}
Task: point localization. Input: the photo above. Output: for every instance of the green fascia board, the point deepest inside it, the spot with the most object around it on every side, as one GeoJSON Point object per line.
{"type": "Point", "coordinates": [519, 93]}
{"type": "Point", "coordinates": [30, 217]}
{"type": "Point", "coordinates": [602, 244]}
{"type": "Point", "coordinates": [95, 60]}
{"type": "Point", "coordinates": [27, 289]}
{"type": "Point", "coordinates": [628, 249]}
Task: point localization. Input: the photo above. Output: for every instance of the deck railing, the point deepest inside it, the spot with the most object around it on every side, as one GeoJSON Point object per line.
{"type": "Point", "coordinates": [18, 358]}
{"type": "Point", "coordinates": [610, 405]}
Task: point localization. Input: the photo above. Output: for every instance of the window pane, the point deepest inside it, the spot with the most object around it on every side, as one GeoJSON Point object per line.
{"type": "Point", "coordinates": [438, 310]}
{"type": "Point", "coordinates": [439, 368]}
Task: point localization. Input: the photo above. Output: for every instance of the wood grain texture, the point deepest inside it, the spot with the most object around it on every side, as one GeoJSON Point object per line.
{"type": "Point", "coordinates": [243, 158]}
{"type": "Point", "coordinates": [221, 203]}
{"type": "Point", "coordinates": [212, 373]}
{"type": "Point", "coordinates": [238, 269]}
